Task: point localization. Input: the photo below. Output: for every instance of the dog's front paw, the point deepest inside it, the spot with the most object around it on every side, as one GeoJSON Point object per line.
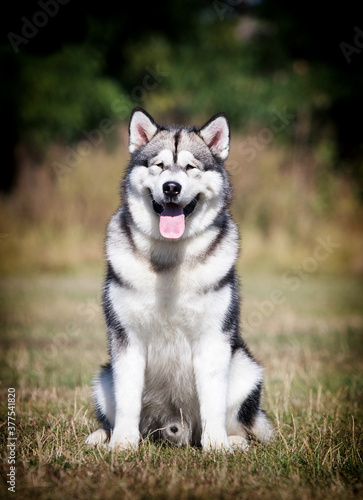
{"type": "Point", "coordinates": [238, 443]}
{"type": "Point", "coordinates": [216, 442]}
{"type": "Point", "coordinates": [101, 436]}
{"type": "Point", "coordinates": [121, 441]}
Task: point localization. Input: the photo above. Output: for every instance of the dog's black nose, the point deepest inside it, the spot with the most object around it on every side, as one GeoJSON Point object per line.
{"type": "Point", "coordinates": [171, 188]}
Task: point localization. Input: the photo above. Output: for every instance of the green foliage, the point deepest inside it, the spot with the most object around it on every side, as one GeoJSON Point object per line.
{"type": "Point", "coordinates": [218, 74]}
{"type": "Point", "coordinates": [71, 89]}
{"type": "Point", "coordinates": [223, 72]}
{"type": "Point", "coordinates": [244, 58]}
{"type": "Point", "coordinates": [63, 94]}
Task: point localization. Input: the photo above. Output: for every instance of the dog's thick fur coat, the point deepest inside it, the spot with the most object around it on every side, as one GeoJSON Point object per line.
{"type": "Point", "coordinates": [178, 368]}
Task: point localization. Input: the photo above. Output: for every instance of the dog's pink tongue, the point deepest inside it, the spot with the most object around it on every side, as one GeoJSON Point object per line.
{"type": "Point", "coordinates": [172, 221]}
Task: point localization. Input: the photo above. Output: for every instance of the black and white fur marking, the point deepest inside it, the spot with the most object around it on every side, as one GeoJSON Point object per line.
{"type": "Point", "coordinates": [178, 368]}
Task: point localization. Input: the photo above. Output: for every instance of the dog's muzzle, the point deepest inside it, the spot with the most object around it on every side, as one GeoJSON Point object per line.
{"type": "Point", "coordinates": [188, 210]}
{"type": "Point", "coordinates": [172, 214]}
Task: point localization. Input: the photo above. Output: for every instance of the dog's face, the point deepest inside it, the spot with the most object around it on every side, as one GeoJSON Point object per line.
{"type": "Point", "coordinates": [176, 184]}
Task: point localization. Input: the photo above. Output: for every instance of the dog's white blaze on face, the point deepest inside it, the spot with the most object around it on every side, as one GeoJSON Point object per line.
{"type": "Point", "coordinates": [186, 158]}
{"type": "Point", "coordinates": [163, 159]}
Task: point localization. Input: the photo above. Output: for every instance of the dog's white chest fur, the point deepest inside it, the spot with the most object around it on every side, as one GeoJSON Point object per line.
{"type": "Point", "coordinates": [175, 303]}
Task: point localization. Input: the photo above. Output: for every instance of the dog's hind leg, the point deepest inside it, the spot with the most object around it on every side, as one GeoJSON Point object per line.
{"type": "Point", "coordinates": [238, 442]}
{"type": "Point", "coordinates": [244, 415]}
{"type": "Point", "coordinates": [104, 400]}
{"type": "Point", "coordinates": [261, 427]}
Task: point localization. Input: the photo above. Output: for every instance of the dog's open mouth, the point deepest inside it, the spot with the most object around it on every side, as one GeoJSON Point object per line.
{"type": "Point", "coordinates": [172, 217]}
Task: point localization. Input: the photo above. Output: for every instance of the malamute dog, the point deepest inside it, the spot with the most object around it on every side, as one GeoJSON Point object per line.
{"type": "Point", "coordinates": [178, 368]}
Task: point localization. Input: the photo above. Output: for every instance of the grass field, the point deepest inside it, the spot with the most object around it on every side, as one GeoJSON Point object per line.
{"type": "Point", "coordinates": [310, 344]}
{"type": "Point", "coordinates": [301, 271]}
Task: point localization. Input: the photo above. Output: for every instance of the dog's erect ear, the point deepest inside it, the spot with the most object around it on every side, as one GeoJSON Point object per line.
{"type": "Point", "coordinates": [142, 129]}
{"type": "Point", "coordinates": [216, 135]}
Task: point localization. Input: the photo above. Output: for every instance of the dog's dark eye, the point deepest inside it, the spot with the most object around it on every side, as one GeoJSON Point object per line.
{"type": "Point", "coordinates": [189, 167]}
{"type": "Point", "coordinates": [159, 164]}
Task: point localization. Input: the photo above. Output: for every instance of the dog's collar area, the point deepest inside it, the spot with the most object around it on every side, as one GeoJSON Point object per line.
{"type": "Point", "coordinates": [188, 210]}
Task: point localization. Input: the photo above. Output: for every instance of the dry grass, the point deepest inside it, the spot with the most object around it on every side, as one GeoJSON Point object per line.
{"type": "Point", "coordinates": [311, 347]}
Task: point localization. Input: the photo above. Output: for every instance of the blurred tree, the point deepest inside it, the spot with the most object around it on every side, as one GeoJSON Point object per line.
{"type": "Point", "coordinates": [327, 41]}
{"type": "Point", "coordinates": [64, 62]}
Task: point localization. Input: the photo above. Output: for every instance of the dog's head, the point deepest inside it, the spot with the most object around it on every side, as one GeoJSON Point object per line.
{"type": "Point", "coordinates": [176, 185]}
